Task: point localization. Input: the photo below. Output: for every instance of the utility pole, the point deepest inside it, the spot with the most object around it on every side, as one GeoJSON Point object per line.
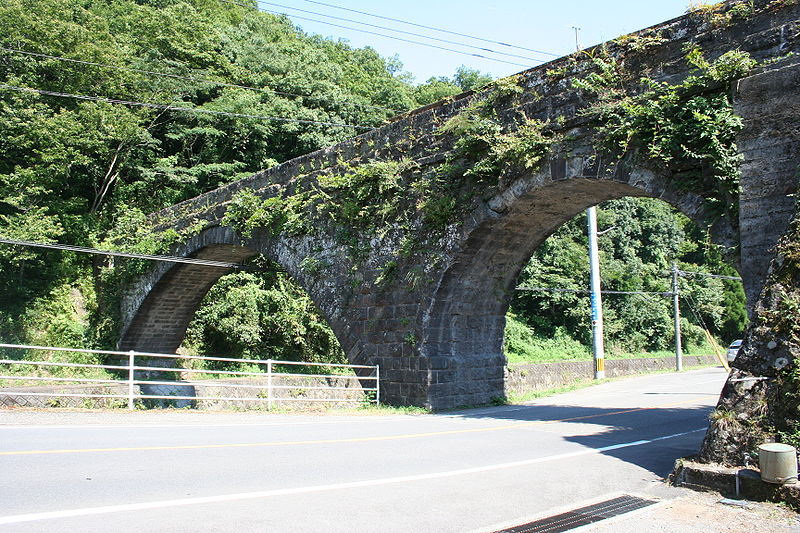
{"type": "Point", "coordinates": [577, 46]}
{"type": "Point", "coordinates": [677, 314]}
{"type": "Point", "coordinates": [596, 302]}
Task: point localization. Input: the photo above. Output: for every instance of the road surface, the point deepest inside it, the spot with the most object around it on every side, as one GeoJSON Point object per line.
{"type": "Point", "coordinates": [476, 470]}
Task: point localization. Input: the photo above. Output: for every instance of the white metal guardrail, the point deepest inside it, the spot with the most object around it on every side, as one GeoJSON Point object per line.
{"type": "Point", "coordinates": [270, 392]}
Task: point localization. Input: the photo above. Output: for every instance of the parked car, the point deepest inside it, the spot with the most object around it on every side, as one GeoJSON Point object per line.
{"type": "Point", "coordinates": [733, 349]}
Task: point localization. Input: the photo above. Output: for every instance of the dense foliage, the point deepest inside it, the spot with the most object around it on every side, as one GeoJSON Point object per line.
{"type": "Point", "coordinates": [258, 315]}
{"type": "Point", "coordinates": [84, 172]}
{"type": "Point", "coordinates": [642, 237]}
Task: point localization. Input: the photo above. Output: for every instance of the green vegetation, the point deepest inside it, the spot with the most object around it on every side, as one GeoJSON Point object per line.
{"type": "Point", "coordinates": [689, 128]}
{"type": "Point", "coordinates": [644, 236]}
{"type": "Point", "coordinates": [779, 320]}
{"type": "Point", "coordinates": [261, 315]}
{"type": "Point", "coordinates": [372, 198]}
{"type": "Point", "coordinates": [720, 14]}
{"type": "Point", "coordinates": [440, 87]}
{"type": "Point", "coordinates": [484, 149]}
{"type": "Point", "coordinates": [85, 172]}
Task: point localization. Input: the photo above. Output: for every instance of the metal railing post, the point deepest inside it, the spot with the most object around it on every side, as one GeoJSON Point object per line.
{"type": "Point", "coordinates": [269, 384]}
{"type": "Point", "coordinates": [377, 384]}
{"type": "Point", "coordinates": [131, 357]}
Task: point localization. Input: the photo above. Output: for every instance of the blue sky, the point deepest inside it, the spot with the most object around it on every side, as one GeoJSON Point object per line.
{"type": "Point", "coordinates": [536, 24]}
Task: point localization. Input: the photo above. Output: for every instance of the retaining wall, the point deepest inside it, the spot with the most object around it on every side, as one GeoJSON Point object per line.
{"type": "Point", "coordinates": [528, 377]}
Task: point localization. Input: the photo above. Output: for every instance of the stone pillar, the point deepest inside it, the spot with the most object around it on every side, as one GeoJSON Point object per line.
{"type": "Point", "coordinates": [769, 104]}
{"type": "Point", "coordinates": [757, 399]}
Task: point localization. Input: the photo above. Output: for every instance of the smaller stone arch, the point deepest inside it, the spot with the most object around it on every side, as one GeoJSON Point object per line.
{"type": "Point", "coordinates": [158, 308]}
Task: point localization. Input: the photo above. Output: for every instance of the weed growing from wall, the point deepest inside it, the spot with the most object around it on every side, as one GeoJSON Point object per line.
{"type": "Point", "coordinates": [372, 199]}
{"type": "Point", "coordinates": [485, 147]}
{"type": "Point", "coordinates": [690, 127]}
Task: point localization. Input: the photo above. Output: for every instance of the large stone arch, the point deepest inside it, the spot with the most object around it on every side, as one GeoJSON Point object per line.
{"type": "Point", "coordinates": [462, 326]}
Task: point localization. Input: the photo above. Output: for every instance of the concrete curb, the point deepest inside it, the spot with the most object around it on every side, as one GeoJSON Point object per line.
{"type": "Point", "coordinates": [739, 482]}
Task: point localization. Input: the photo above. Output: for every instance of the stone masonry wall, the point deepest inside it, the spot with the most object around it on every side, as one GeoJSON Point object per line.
{"type": "Point", "coordinates": [527, 377]}
{"type": "Point", "coordinates": [757, 400]}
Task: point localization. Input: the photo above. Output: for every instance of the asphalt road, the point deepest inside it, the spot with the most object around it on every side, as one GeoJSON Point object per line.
{"type": "Point", "coordinates": [475, 470]}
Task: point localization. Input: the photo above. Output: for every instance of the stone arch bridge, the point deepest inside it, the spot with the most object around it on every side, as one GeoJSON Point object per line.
{"type": "Point", "coordinates": [410, 237]}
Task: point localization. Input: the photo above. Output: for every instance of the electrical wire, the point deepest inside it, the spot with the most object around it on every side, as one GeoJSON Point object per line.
{"type": "Point", "coordinates": [584, 291]}
{"type": "Point", "coordinates": [434, 28]}
{"type": "Point", "coordinates": [163, 258]}
{"type": "Point", "coordinates": [695, 309]}
{"type": "Point", "coordinates": [179, 108]}
{"type": "Point", "coordinates": [716, 276]}
{"type": "Point", "coordinates": [380, 35]}
{"type": "Point", "coordinates": [189, 78]}
{"type": "Point", "coordinates": [399, 31]}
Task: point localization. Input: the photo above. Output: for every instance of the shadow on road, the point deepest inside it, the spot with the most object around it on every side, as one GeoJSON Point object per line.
{"type": "Point", "coordinates": [596, 428]}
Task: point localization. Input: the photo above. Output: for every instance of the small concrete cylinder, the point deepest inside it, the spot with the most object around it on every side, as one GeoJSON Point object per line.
{"type": "Point", "coordinates": [778, 463]}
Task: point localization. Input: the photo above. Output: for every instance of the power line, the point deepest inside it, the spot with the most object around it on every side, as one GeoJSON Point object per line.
{"type": "Point", "coordinates": [704, 274]}
{"type": "Point", "coordinates": [179, 108]}
{"type": "Point", "coordinates": [399, 31]}
{"type": "Point", "coordinates": [189, 78]}
{"type": "Point", "coordinates": [163, 258]}
{"type": "Point", "coordinates": [434, 28]}
{"type": "Point", "coordinates": [381, 35]}
{"type": "Point", "coordinates": [583, 291]}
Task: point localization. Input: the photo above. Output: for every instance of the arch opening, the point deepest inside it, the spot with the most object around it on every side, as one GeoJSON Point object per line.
{"type": "Point", "coordinates": [263, 312]}
{"type": "Point", "coordinates": [639, 240]}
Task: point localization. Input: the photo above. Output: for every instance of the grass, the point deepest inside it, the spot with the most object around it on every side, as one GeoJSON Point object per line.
{"type": "Point", "coordinates": [372, 409]}
{"type": "Point", "coordinates": [522, 345]}
{"type": "Point", "coordinates": [51, 372]}
{"type": "Point", "coordinates": [554, 350]}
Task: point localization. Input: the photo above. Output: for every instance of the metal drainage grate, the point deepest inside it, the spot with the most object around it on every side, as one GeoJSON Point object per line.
{"type": "Point", "coordinates": [582, 516]}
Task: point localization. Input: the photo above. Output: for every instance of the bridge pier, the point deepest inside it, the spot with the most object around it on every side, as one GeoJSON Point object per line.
{"type": "Point", "coordinates": [770, 146]}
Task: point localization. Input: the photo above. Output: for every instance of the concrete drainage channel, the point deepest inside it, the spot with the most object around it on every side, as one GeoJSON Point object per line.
{"type": "Point", "coordinates": [582, 516]}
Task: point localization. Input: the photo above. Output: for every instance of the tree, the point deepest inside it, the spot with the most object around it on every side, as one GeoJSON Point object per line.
{"type": "Point", "coordinates": [642, 237]}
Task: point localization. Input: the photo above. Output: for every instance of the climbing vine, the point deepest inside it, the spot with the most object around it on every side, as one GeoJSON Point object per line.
{"type": "Point", "coordinates": [485, 146]}
{"type": "Point", "coordinates": [373, 198]}
{"type": "Point", "coordinates": [689, 127]}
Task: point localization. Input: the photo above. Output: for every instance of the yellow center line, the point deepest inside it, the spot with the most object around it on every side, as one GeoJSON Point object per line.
{"type": "Point", "coordinates": [518, 425]}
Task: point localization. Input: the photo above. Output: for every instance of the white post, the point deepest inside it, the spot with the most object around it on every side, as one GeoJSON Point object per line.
{"type": "Point", "coordinates": [131, 357]}
{"type": "Point", "coordinates": [676, 311]}
{"type": "Point", "coordinates": [269, 384]}
{"type": "Point", "coordinates": [598, 350]}
{"type": "Point", "coordinates": [377, 384]}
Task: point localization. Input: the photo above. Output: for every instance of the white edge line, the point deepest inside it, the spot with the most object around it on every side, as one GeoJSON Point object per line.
{"type": "Point", "coordinates": [88, 511]}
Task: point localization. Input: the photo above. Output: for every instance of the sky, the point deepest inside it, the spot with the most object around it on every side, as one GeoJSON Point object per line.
{"type": "Point", "coordinates": [545, 26]}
